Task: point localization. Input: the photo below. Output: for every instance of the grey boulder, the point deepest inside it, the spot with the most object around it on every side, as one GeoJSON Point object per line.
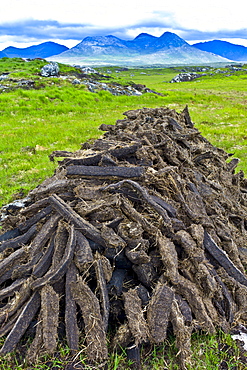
{"type": "Point", "coordinates": [50, 70]}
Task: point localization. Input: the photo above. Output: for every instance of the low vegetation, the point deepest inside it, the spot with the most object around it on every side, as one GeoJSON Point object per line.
{"type": "Point", "coordinates": [210, 352]}
{"type": "Point", "coordinates": [57, 115]}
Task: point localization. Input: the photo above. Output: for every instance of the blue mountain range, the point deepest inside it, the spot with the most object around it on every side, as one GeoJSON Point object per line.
{"type": "Point", "coordinates": [44, 50]}
{"type": "Point", "coordinates": [224, 49]}
{"type": "Point", "coordinates": [144, 49]}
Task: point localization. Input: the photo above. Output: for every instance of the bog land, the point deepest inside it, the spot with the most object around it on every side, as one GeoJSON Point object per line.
{"type": "Point", "coordinates": [39, 115]}
{"type": "Point", "coordinates": [55, 114]}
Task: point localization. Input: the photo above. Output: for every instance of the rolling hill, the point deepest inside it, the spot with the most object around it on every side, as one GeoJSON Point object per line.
{"type": "Point", "coordinates": [44, 50]}
{"type": "Point", "coordinates": [224, 49]}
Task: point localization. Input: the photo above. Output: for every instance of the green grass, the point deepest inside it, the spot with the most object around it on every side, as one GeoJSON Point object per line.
{"type": "Point", "coordinates": [57, 115]}
{"type": "Point", "coordinates": [209, 353]}
{"type": "Point", "coordinates": [34, 123]}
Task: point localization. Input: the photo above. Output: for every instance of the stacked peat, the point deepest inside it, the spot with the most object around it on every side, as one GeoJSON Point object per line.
{"type": "Point", "coordinates": [142, 230]}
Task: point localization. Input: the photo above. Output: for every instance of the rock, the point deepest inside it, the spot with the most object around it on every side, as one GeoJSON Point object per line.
{"type": "Point", "coordinates": [76, 81]}
{"type": "Point", "coordinates": [124, 69]}
{"type": "Point", "coordinates": [3, 87]}
{"type": "Point", "coordinates": [50, 70]}
{"type": "Point", "coordinates": [4, 76]}
{"type": "Point", "coordinates": [26, 83]}
{"type": "Point", "coordinates": [114, 89]}
{"type": "Point", "coordinates": [181, 77]}
{"type": "Point", "coordinates": [88, 70]}
{"type": "Point", "coordinates": [8, 209]}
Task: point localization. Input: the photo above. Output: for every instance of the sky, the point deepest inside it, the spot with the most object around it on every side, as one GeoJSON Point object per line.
{"type": "Point", "coordinates": [31, 22]}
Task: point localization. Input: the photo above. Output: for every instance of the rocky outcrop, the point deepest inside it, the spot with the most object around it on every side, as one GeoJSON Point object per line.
{"type": "Point", "coordinates": [114, 89]}
{"type": "Point", "coordinates": [50, 70]}
{"type": "Point", "coordinates": [4, 76]}
{"type": "Point", "coordinates": [26, 83]}
{"type": "Point", "coordinates": [88, 70]}
{"type": "Point", "coordinates": [181, 77]}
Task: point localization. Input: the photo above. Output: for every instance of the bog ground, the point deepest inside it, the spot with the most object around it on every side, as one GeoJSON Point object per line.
{"type": "Point", "coordinates": [154, 212]}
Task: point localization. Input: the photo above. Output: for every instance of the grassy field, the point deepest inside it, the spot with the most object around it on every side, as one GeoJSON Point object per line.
{"type": "Point", "coordinates": [57, 115]}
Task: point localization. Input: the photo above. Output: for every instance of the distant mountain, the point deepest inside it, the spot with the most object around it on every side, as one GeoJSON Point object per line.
{"type": "Point", "coordinates": [224, 49]}
{"type": "Point", "coordinates": [142, 42]}
{"type": "Point", "coordinates": [146, 43]}
{"type": "Point", "coordinates": [143, 50]}
{"type": "Point", "coordinates": [185, 54]}
{"type": "Point", "coordinates": [44, 50]}
{"type": "Point", "coordinates": [99, 45]}
{"type": "Point", "coordinates": [169, 40]}
{"type": "Point", "coordinates": [2, 55]}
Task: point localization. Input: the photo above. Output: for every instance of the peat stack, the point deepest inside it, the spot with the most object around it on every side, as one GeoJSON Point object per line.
{"type": "Point", "coordinates": [139, 232]}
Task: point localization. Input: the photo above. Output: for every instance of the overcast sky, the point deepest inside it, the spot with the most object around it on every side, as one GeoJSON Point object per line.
{"type": "Point", "coordinates": [27, 22]}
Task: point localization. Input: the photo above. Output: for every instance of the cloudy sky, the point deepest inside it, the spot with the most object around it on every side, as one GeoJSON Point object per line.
{"type": "Point", "coordinates": [28, 22]}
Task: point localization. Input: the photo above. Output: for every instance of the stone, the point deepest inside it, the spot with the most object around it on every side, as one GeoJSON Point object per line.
{"type": "Point", "coordinates": [181, 77]}
{"type": "Point", "coordinates": [76, 81]}
{"type": "Point", "coordinates": [88, 70]}
{"type": "Point", "coordinates": [4, 76]}
{"type": "Point", "coordinates": [26, 83]}
{"type": "Point", "coordinates": [50, 70]}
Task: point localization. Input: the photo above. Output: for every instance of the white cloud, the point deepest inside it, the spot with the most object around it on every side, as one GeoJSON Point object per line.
{"type": "Point", "coordinates": [76, 19]}
{"type": "Point", "coordinates": [207, 15]}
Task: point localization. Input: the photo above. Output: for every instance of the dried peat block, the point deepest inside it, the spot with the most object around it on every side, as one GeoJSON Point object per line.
{"type": "Point", "coordinates": [158, 312]}
{"type": "Point", "coordinates": [26, 225]}
{"type": "Point", "coordinates": [94, 328]}
{"type": "Point", "coordinates": [71, 216]}
{"type": "Point", "coordinates": [36, 347]}
{"type": "Point", "coordinates": [140, 231]}
{"type": "Point", "coordinates": [49, 317]}
{"type": "Point", "coordinates": [44, 263]}
{"type": "Point", "coordinates": [136, 321]}
{"type": "Point", "coordinates": [104, 297]}
{"type": "Point", "coordinates": [223, 259]}
{"type": "Point", "coordinates": [55, 274]}
{"type": "Point", "coordinates": [83, 252]}
{"type": "Point", "coordinates": [182, 333]}
{"type": "Point", "coordinates": [91, 160]}
{"type": "Point", "coordinates": [72, 330]}
{"type": "Point", "coordinates": [19, 240]}
{"type": "Point", "coordinates": [22, 323]}
{"type": "Point", "coordinates": [95, 171]}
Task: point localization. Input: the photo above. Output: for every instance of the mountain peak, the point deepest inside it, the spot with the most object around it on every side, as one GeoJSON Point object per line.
{"type": "Point", "coordinates": [99, 45]}
{"type": "Point", "coordinates": [100, 41]}
{"type": "Point", "coordinates": [144, 35]}
{"type": "Point", "coordinates": [172, 40]}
